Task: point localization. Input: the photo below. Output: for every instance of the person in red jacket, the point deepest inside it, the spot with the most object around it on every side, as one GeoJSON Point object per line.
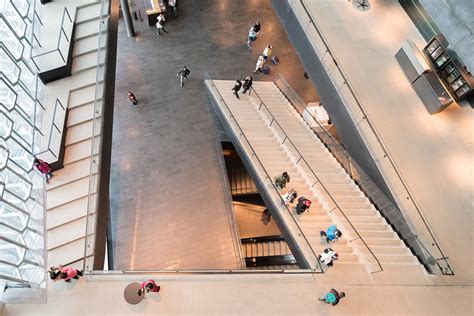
{"type": "Point", "coordinates": [148, 286]}
{"type": "Point", "coordinates": [44, 168]}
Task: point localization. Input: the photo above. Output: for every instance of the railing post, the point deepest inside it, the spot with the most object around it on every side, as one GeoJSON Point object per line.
{"type": "Point", "coordinates": [286, 137]}
{"type": "Point", "coordinates": [261, 102]}
{"type": "Point", "coordinates": [272, 121]}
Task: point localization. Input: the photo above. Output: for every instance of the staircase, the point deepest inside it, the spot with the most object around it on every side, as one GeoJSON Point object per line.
{"type": "Point", "coordinates": [240, 181]}
{"type": "Point", "coordinates": [268, 252]}
{"type": "Point", "coordinates": [277, 155]}
{"type": "Point", "coordinates": [68, 191]}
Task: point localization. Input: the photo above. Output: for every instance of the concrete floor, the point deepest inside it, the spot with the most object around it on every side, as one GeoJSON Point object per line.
{"type": "Point", "coordinates": [289, 294]}
{"type": "Point", "coordinates": [169, 208]}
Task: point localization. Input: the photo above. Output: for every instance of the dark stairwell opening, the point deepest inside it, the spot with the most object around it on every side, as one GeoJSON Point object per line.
{"type": "Point", "coordinates": [263, 245]}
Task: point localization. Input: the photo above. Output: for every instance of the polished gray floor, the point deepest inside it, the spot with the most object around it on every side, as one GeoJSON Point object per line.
{"type": "Point", "coordinates": [169, 208]}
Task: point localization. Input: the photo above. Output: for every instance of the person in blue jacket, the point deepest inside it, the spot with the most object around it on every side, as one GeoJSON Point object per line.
{"type": "Point", "coordinates": [331, 234]}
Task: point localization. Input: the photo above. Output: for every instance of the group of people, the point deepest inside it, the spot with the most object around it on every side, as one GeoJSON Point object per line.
{"type": "Point", "coordinates": [290, 195]}
{"type": "Point", "coordinates": [246, 85]}
{"type": "Point", "coordinates": [64, 273]}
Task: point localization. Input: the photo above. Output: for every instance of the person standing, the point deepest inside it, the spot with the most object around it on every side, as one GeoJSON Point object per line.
{"type": "Point", "coordinates": [236, 88]}
{"type": "Point", "coordinates": [44, 168]}
{"type": "Point", "coordinates": [332, 297]}
{"type": "Point", "coordinates": [160, 25]}
{"type": "Point", "coordinates": [172, 4]}
{"type": "Point", "coordinates": [183, 74]}
{"type": "Point", "coordinates": [256, 27]}
{"type": "Point", "coordinates": [267, 52]}
{"type": "Point", "coordinates": [132, 98]}
{"type": "Point", "coordinates": [259, 65]}
{"type": "Point", "coordinates": [251, 37]}
{"type": "Point", "coordinates": [247, 84]}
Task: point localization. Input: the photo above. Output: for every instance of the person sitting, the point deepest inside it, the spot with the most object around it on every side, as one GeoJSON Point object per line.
{"type": "Point", "coordinates": [303, 205]}
{"type": "Point", "coordinates": [44, 168]}
{"type": "Point", "coordinates": [332, 297]}
{"type": "Point", "coordinates": [148, 286]}
{"type": "Point", "coordinates": [331, 234]}
{"type": "Point", "coordinates": [281, 180]}
{"type": "Point", "coordinates": [328, 256]}
{"type": "Point", "coordinates": [289, 196]}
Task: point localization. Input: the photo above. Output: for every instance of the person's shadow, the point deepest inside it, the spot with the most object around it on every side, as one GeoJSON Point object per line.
{"type": "Point", "coordinates": [266, 217]}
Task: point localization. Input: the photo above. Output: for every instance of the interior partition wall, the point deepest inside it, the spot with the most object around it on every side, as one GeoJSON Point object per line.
{"type": "Point", "coordinates": [22, 189]}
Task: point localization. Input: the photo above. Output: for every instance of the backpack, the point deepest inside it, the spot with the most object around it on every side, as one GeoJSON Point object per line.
{"type": "Point", "coordinates": [187, 72]}
{"type": "Point", "coordinates": [330, 298]}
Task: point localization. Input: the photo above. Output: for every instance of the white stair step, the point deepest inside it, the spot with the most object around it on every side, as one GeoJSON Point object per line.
{"type": "Point", "coordinates": [82, 96]}
{"type": "Point", "coordinates": [79, 133]}
{"type": "Point", "coordinates": [67, 193]}
{"type": "Point", "coordinates": [66, 233]}
{"type": "Point", "coordinates": [87, 61]}
{"type": "Point", "coordinates": [382, 242]}
{"type": "Point", "coordinates": [86, 29]}
{"type": "Point", "coordinates": [66, 212]}
{"type": "Point", "coordinates": [78, 152]}
{"type": "Point", "coordinates": [377, 234]}
{"type": "Point", "coordinates": [81, 114]}
{"type": "Point", "coordinates": [86, 45]}
{"type": "Point", "coordinates": [88, 13]}
{"type": "Point", "coordinates": [70, 173]}
{"type": "Point", "coordinates": [67, 253]}
{"type": "Point", "coordinates": [397, 259]}
{"type": "Point", "coordinates": [388, 250]}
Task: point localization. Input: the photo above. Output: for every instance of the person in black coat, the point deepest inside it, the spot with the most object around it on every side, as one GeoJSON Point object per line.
{"type": "Point", "coordinates": [247, 84]}
{"type": "Point", "coordinates": [237, 87]}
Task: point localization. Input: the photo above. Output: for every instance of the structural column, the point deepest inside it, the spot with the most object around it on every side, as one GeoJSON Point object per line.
{"type": "Point", "coordinates": [127, 17]}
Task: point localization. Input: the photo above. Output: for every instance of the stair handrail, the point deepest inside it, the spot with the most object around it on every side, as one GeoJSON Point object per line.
{"type": "Point", "coordinates": [318, 180]}
{"type": "Point", "coordinates": [383, 147]}
{"type": "Point", "coordinates": [57, 48]}
{"type": "Point", "coordinates": [268, 177]}
{"type": "Point", "coordinates": [96, 141]}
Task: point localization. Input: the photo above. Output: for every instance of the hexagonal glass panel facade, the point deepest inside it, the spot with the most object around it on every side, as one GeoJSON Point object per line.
{"type": "Point", "coordinates": [22, 212]}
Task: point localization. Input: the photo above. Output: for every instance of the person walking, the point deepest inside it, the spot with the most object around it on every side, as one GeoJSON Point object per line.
{"type": "Point", "coordinates": [257, 27]}
{"type": "Point", "coordinates": [259, 65]}
{"type": "Point", "coordinates": [328, 256]}
{"type": "Point", "coordinates": [332, 297]}
{"type": "Point", "coordinates": [44, 168]}
{"type": "Point", "coordinates": [236, 88]}
{"type": "Point", "coordinates": [148, 286]}
{"type": "Point", "coordinates": [247, 84]}
{"type": "Point", "coordinates": [332, 233]}
{"type": "Point", "coordinates": [251, 37]}
{"type": "Point", "coordinates": [183, 74]}
{"type": "Point", "coordinates": [172, 4]}
{"type": "Point", "coordinates": [281, 180]}
{"type": "Point", "coordinates": [267, 52]}
{"type": "Point", "coordinates": [160, 25]}
{"type": "Point", "coordinates": [132, 98]}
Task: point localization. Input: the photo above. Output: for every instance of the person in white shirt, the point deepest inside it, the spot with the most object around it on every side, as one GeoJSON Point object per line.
{"type": "Point", "coordinates": [259, 65]}
{"type": "Point", "coordinates": [172, 4]}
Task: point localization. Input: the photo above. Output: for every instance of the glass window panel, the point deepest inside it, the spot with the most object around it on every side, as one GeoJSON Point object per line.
{"type": "Point", "coordinates": [10, 39]}
{"type": "Point", "coordinates": [8, 67]}
{"type": "Point", "coordinates": [7, 95]}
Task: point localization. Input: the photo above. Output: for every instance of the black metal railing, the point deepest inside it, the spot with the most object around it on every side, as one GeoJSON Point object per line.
{"type": "Point", "coordinates": [318, 180]}
{"type": "Point", "coordinates": [267, 176]}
